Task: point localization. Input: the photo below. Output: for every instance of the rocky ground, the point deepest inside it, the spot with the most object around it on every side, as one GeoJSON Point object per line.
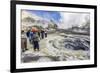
{"type": "Point", "coordinates": [53, 48]}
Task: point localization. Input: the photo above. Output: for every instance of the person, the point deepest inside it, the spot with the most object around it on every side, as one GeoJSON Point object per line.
{"type": "Point", "coordinates": [35, 41]}
{"type": "Point", "coordinates": [27, 33]}
{"type": "Point", "coordinates": [45, 33]}
{"type": "Point", "coordinates": [30, 36]}
{"type": "Point", "coordinates": [39, 33]}
{"type": "Point", "coordinates": [23, 42]}
{"type": "Point", "coordinates": [42, 34]}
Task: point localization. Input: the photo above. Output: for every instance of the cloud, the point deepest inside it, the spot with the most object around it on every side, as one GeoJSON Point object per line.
{"type": "Point", "coordinates": [72, 19]}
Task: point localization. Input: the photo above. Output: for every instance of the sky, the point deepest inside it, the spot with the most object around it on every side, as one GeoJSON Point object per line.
{"type": "Point", "coordinates": [63, 19]}
{"type": "Point", "coordinates": [69, 19]}
{"type": "Point", "coordinates": [50, 15]}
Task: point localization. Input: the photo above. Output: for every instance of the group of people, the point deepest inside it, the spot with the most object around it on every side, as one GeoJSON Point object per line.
{"type": "Point", "coordinates": [34, 37]}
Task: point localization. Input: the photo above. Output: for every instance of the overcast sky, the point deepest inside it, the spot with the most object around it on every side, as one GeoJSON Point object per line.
{"type": "Point", "coordinates": [69, 19]}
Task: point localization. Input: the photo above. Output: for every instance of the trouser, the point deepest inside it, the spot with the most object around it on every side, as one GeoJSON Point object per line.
{"type": "Point", "coordinates": [30, 40]}
{"type": "Point", "coordinates": [24, 44]}
{"type": "Point", "coordinates": [36, 45]}
{"type": "Point", "coordinates": [42, 36]}
{"type": "Point", "coordinates": [45, 34]}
